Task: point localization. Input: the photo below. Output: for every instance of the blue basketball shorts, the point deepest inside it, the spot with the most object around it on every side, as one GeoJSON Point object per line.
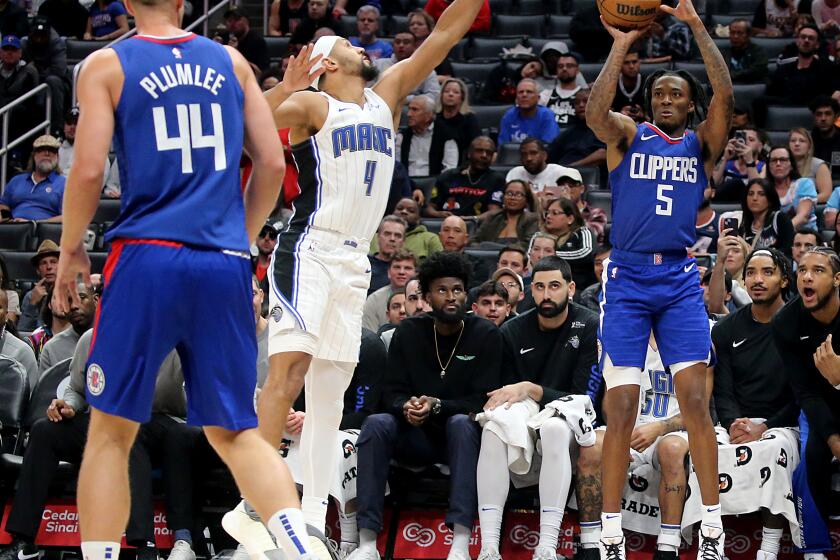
{"type": "Point", "coordinates": [160, 295]}
{"type": "Point", "coordinates": [659, 293]}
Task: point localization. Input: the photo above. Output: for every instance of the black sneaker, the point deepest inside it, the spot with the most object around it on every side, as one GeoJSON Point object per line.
{"type": "Point", "coordinates": [665, 555]}
{"type": "Point", "coordinates": [587, 554]}
{"type": "Point", "coordinates": [612, 548]}
{"type": "Point", "coordinates": [20, 550]}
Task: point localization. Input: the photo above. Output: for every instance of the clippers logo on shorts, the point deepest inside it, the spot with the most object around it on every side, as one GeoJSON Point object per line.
{"type": "Point", "coordinates": [95, 380]}
{"type": "Point", "coordinates": [276, 313]}
{"type": "Point", "coordinates": [743, 455]}
{"type": "Point", "coordinates": [782, 460]}
{"type": "Point", "coordinates": [765, 476]}
{"type": "Point", "coordinates": [724, 483]}
{"type": "Point", "coordinates": [638, 483]}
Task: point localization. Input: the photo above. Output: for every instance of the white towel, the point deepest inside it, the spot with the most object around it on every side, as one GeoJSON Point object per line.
{"type": "Point", "coordinates": [578, 413]}
{"type": "Point", "coordinates": [511, 425]}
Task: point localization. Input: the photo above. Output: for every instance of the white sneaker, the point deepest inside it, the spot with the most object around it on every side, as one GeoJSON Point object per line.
{"type": "Point", "coordinates": [612, 548]}
{"type": "Point", "coordinates": [544, 553]}
{"type": "Point", "coordinates": [489, 554]}
{"type": "Point", "coordinates": [458, 555]}
{"type": "Point", "coordinates": [711, 543]}
{"type": "Point", "coordinates": [368, 553]}
{"type": "Point", "coordinates": [253, 534]}
{"type": "Point", "coordinates": [181, 550]}
{"type": "Point", "coordinates": [762, 555]}
{"type": "Point", "coordinates": [240, 553]}
{"type": "Point", "coordinates": [345, 549]}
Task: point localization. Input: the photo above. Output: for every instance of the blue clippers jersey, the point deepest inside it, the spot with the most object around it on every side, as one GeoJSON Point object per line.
{"type": "Point", "coordinates": [178, 137]}
{"type": "Point", "coordinates": [656, 191]}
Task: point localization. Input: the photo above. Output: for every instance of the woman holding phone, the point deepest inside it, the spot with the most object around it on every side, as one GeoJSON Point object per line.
{"type": "Point", "coordinates": [740, 162]}
{"type": "Point", "coordinates": [763, 224]}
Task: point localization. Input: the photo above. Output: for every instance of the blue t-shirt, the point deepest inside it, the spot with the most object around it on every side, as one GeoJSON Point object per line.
{"type": "Point", "coordinates": [32, 201]}
{"type": "Point", "coordinates": [104, 21]}
{"type": "Point", "coordinates": [515, 128]}
{"type": "Point", "coordinates": [801, 189]}
{"type": "Point", "coordinates": [376, 50]}
{"type": "Point", "coordinates": [834, 200]}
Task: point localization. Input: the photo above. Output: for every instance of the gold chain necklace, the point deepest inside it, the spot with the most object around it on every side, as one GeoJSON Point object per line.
{"type": "Point", "coordinates": [452, 355]}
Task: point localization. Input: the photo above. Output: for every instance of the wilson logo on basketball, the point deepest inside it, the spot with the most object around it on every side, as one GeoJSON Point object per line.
{"type": "Point", "coordinates": [416, 533]}
{"type": "Point", "coordinates": [638, 11]}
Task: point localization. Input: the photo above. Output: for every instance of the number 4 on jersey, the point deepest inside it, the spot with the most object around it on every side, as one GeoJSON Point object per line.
{"type": "Point", "coordinates": [191, 134]}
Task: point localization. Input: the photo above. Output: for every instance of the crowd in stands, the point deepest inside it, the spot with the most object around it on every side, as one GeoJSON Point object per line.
{"type": "Point", "coordinates": [499, 208]}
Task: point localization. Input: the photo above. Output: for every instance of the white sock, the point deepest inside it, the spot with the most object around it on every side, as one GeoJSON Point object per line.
{"type": "Point", "coordinates": [460, 539]}
{"type": "Point", "coordinates": [711, 517]}
{"type": "Point", "coordinates": [315, 511]}
{"type": "Point", "coordinates": [289, 528]}
{"type": "Point", "coordinates": [669, 538]}
{"type": "Point", "coordinates": [367, 540]}
{"type": "Point", "coordinates": [550, 520]}
{"type": "Point", "coordinates": [490, 523]}
{"type": "Point", "coordinates": [590, 534]}
{"type": "Point", "coordinates": [100, 550]}
{"type": "Point", "coordinates": [771, 539]}
{"type": "Point", "coordinates": [349, 529]}
{"type": "Point", "coordinates": [611, 525]}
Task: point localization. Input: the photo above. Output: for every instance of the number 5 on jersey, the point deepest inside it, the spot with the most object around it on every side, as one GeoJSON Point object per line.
{"type": "Point", "coordinates": [191, 134]}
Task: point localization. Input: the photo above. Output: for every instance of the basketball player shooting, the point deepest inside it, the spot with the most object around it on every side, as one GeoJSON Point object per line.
{"type": "Point", "coordinates": [179, 108]}
{"type": "Point", "coordinates": [658, 172]}
{"type": "Point", "coordinates": [343, 142]}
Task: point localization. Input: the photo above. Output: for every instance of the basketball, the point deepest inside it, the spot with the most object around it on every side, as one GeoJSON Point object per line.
{"type": "Point", "coordinates": [629, 14]}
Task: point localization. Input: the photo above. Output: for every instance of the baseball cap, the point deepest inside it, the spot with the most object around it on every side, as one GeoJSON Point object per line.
{"type": "Point", "coordinates": [10, 41]}
{"type": "Point", "coordinates": [571, 173]}
{"type": "Point", "coordinates": [72, 116]}
{"type": "Point", "coordinates": [46, 141]}
{"type": "Point", "coordinates": [233, 12]}
{"type": "Point", "coordinates": [40, 25]}
{"type": "Point", "coordinates": [508, 271]}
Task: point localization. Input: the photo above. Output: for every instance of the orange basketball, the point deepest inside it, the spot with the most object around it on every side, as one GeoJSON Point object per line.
{"type": "Point", "coordinates": [629, 14]}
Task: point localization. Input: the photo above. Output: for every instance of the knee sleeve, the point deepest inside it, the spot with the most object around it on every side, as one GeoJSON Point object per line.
{"type": "Point", "coordinates": [492, 476]}
{"type": "Point", "coordinates": [556, 439]}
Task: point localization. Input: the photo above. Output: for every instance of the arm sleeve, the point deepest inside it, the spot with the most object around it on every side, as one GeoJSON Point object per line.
{"type": "Point", "coordinates": [726, 405]}
{"type": "Point", "coordinates": [396, 389]}
{"type": "Point", "coordinates": [805, 188]}
{"type": "Point", "coordinates": [362, 397]}
{"type": "Point", "coordinates": [488, 377]}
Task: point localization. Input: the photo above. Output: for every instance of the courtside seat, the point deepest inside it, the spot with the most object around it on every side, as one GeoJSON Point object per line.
{"type": "Point", "coordinates": [107, 211]}
{"type": "Point", "coordinates": [19, 266]}
{"type": "Point", "coordinates": [78, 50]}
{"type": "Point", "coordinates": [518, 26]}
{"type": "Point", "coordinates": [785, 118]}
{"type": "Point", "coordinates": [16, 236]}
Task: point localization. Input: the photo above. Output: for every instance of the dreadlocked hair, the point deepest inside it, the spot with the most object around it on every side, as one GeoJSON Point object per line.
{"type": "Point", "coordinates": [698, 95]}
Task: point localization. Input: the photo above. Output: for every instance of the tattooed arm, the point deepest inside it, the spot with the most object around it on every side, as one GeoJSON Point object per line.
{"type": "Point", "coordinates": [613, 129]}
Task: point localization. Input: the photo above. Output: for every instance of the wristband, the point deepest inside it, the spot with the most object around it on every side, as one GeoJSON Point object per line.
{"type": "Point", "coordinates": [751, 164]}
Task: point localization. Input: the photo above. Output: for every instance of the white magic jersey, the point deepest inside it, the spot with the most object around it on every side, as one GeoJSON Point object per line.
{"type": "Point", "coordinates": [345, 169]}
{"type": "Point", "coordinates": [658, 400]}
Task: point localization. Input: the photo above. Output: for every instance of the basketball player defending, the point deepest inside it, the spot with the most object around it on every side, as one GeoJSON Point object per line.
{"type": "Point", "coordinates": [658, 172]}
{"type": "Point", "coordinates": [343, 142]}
{"type": "Point", "coordinates": [179, 108]}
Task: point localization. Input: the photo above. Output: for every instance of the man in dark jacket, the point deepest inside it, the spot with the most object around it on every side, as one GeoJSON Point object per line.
{"type": "Point", "coordinates": [746, 61]}
{"type": "Point", "coordinates": [67, 17]}
{"type": "Point", "coordinates": [48, 52]}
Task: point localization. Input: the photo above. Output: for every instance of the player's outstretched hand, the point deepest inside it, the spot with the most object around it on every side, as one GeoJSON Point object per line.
{"type": "Point", "coordinates": [73, 267]}
{"type": "Point", "coordinates": [299, 73]}
{"type": "Point", "coordinates": [625, 37]}
{"type": "Point", "coordinates": [684, 11]}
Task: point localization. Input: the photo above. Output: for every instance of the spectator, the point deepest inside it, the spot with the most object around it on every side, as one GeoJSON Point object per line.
{"type": "Point", "coordinates": [802, 147]}
{"type": "Point", "coordinates": [535, 169]}
{"type": "Point", "coordinates": [796, 81]}
{"type": "Point", "coordinates": [62, 345]}
{"type": "Point", "coordinates": [36, 195]}
{"type": "Point", "coordinates": [560, 99]}
{"type": "Point", "coordinates": [803, 331]}
{"type": "Point", "coordinates": [421, 24]}
{"type": "Point", "coordinates": [540, 245]}
{"type": "Point", "coordinates": [515, 286]}
{"type": "Point", "coordinates": [706, 228]}
{"type": "Point", "coordinates": [540, 366]}
{"type": "Point", "coordinates": [826, 14]}
{"type": "Point", "coordinates": [341, 7]}
{"type": "Point", "coordinates": [717, 294]}
{"type": "Point", "coordinates": [803, 241]}
{"type": "Point", "coordinates": [454, 236]}
{"type": "Point", "coordinates": [390, 239]}
{"type": "Point", "coordinates": [107, 20]}
{"type": "Point", "coordinates": [285, 16]}
{"type": "Point", "coordinates": [577, 145]}
{"type": "Point", "coordinates": [401, 268]}
{"type": "Point", "coordinates": [418, 239]}
{"type": "Point", "coordinates": [47, 51]}
{"type": "Point", "coordinates": [746, 61]}
{"type": "Point", "coordinates": [68, 17]}
{"type": "Point", "coordinates": [515, 221]}
{"type": "Point", "coordinates": [453, 110]}
{"type": "Point", "coordinates": [248, 42]}
{"type": "Point", "coordinates": [474, 190]}
{"type": "Point", "coordinates": [798, 196]}
{"type": "Point", "coordinates": [572, 185]}
{"type": "Point", "coordinates": [395, 311]}
{"type": "Point", "coordinates": [775, 18]}
{"type": "Point", "coordinates": [590, 297]}
{"type": "Point", "coordinates": [428, 395]}
{"type": "Point", "coordinates": [588, 34]}
{"type": "Point", "coordinates": [732, 253]}
{"type": "Point", "coordinates": [415, 304]}
{"type": "Point", "coordinates": [740, 162]}
{"type": "Point", "coordinates": [425, 149]}
{"type": "Point", "coordinates": [110, 178]}
{"type": "Point", "coordinates": [667, 39]}
{"type": "Point", "coordinates": [491, 302]}
{"type": "Point", "coordinates": [16, 78]}
{"type": "Point", "coordinates": [527, 118]}
{"type": "Point", "coordinates": [317, 16]}
{"type": "Point", "coordinates": [13, 19]}
{"type": "Point", "coordinates": [482, 21]}
{"type": "Point", "coordinates": [367, 22]}
{"type": "Point", "coordinates": [12, 298]}
{"type": "Point", "coordinates": [826, 132]}
{"type": "Point", "coordinates": [629, 95]}
{"type": "Point", "coordinates": [404, 45]}
{"type": "Point", "coordinates": [575, 242]}
{"type": "Point", "coordinates": [266, 242]}
{"type": "Point", "coordinates": [513, 257]}
{"type": "Point", "coordinates": [16, 349]}
{"type": "Point", "coordinates": [500, 86]}
{"type": "Point", "coordinates": [762, 216]}
{"type": "Point", "coordinates": [50, 325]}
{"type": "Point", "coordinates": [45, 263]}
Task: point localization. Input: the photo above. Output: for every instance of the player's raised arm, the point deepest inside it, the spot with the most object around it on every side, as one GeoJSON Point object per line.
{"type": "Point", "coordinates": [263, 146]}
{"type": "Point", "coordinates": [613, 129]}
{"type": "Point", "coordinates": [714, 131]}
{"type": "Point", "coordinates": [99, 87]}
{"type": "Point", "coordinates": [402, 78]}
{"type": "Point", "coordinates": [293, 107]}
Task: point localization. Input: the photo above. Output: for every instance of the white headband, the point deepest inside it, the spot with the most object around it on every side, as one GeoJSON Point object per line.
{"type": "Point", "coordinates": [324, 47]}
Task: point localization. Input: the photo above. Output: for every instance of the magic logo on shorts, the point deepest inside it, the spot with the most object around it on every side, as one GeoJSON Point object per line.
{"type": "Point", "coordinates": [95, 380]}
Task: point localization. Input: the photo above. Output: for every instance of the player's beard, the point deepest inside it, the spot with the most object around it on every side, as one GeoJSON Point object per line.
{"type": "Point", "coordinates": [447, 317]}
{"type": "Point", "coordinates": [369, 72]}
{"type": "Point", "coordinates": [550, 309]}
